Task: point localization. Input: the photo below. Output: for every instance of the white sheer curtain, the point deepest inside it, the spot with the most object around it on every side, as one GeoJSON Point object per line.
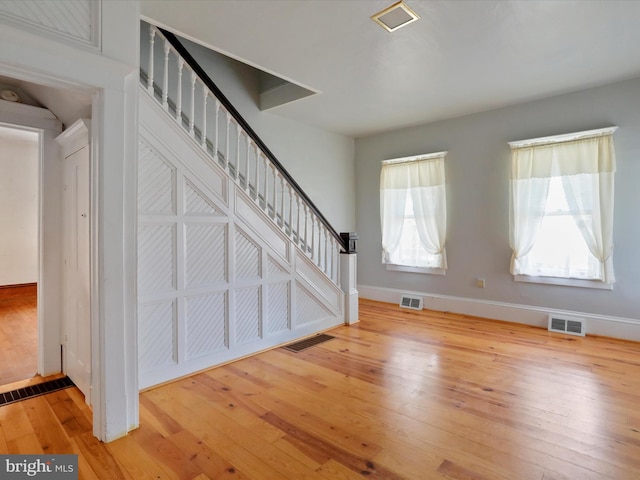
{"type": "Point", "coordinates": [421, 180]}
{"type": "Point", "coordinates": [585, 162]}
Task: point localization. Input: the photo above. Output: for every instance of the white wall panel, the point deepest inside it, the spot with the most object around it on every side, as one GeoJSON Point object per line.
{"type": "Point", "coordinates": [74, 20]}
{"type": "Point", "coordinates": [206, 324]}
{"type": "Point", "coordinates": [196, 202]}
{"type": "Point", "coordinates": [248, 318]}
{"type": "Point", "coordinates": [278, 307]}
{"type": "Point", "coordinates": [156, 336]}
{"type": "Point", "coordinates": [156, 258]}
{"type": "Point", "coordinates": [231, 269]}
{"type": "Point", "coordinates": [156, 183]}
{"type": "Point", "coordinates": [274, 268]}
{"type": "Point", "coordinates": [308, 307]}
{"type": "Point", "coordinates": [206, 254]}
{"type": "Point", "coordinates": [247, 261]}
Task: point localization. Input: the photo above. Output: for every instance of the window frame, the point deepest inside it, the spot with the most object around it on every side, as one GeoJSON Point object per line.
{"type": "Point", "coordinates": [557, 139]}
{"type": "Point", "coordinates": [440, 270]}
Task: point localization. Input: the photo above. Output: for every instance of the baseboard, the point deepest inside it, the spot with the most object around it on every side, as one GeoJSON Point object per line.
{"type": "Point", "coordinates": [606, 326]}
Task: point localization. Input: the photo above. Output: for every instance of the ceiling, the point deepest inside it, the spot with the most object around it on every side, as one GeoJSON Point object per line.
{"type": "Point", "coordinates": [461, 57]}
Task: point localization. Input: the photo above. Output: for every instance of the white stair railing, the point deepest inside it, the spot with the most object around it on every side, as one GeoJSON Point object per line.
{"type": "Point", "coordinates": [171, 80]}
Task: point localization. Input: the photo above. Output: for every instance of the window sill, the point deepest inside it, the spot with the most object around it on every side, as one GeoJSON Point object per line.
{"type": "Point", "coordinates": [424, 270]}
{"type": "Point", "coordinates": [567, 282]}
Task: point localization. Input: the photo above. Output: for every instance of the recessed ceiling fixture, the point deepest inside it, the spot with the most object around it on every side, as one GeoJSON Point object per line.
{"type": "Point", "coordinates": [397, 15]}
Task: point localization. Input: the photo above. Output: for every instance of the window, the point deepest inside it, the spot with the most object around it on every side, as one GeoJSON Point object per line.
{"type": "Point", "coordinates": [562, 207]}
{"type": "Point", "coordinates": [413, 212]}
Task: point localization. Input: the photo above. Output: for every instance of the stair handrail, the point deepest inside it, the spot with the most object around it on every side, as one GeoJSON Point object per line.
{"type": "Point", "coordinates": [210, 84]}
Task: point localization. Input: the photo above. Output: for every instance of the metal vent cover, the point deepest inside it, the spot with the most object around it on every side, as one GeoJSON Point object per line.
{"type": "Point", "coordinates": [568, 325]}
{"type": "Point", "coordinates": [409, 301]}
{"type": "Point", "coordinates": [396, 16]}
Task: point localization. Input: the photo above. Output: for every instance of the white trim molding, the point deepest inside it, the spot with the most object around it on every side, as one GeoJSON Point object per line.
{"type": "Point", "coordinates": [603, 325]}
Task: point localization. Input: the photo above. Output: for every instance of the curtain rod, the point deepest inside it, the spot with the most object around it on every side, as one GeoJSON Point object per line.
{"type": "Point", "coordinates": [567, 137]}
{"type": "Point", "coordinates": [428, 156]}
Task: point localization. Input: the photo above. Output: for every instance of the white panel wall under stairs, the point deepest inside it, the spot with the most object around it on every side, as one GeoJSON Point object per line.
{"type": "Point", "coordinates": [77, 21]}
{"type": "Point", "coordinates": [217, 279]}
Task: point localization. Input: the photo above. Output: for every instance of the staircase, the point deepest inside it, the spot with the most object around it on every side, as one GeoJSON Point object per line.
{"type": "Point", "coordinates": [233, 257]}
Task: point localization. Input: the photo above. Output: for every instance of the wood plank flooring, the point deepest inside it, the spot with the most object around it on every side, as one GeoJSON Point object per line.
{"type": "Point", "coordinates": [401, 395]}
{"type": "Point", "coordinates": [18, 333]}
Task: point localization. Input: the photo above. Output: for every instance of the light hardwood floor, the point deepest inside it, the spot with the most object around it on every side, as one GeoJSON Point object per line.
{"type": "Point", "coordinates": [402, 395]}
{"type": "Point", "coordinates": [18, 333]}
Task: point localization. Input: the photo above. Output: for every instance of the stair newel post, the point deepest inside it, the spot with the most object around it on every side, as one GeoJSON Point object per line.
{"type": "Point", "coordinates": [152, 39]}
{"type": "Point", "coordinates": [246, 167]}
{"type": "Point", "coordinates": [165, 75]}
{"type": "Point", "coordinates": [193, 104]}
{"type": "Point", "coordinates": [333, 249]}
{"type": "Point", "coordinates": [179, 92]}
{"type": "Point", "coordinates": [205, 97]}
{"type": "Point", "coordinates": [348, 277]}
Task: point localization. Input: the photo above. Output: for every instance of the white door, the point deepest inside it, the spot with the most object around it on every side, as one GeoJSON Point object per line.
{"type": "Point", "coordinates": [77, 327]}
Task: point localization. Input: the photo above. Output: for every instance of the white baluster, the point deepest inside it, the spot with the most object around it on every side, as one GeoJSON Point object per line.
{"type": "Point", "coordinates": [150, 73]}
{"type": "Point", "coordinates": [290, 190]}
{"type": "Point", "coordinates": [266, 190]}
{"type": "Point", "coordinates": [238, 134]}
{"type": "Point", "coordinates": [298, 219]}
{"type": "Point", "coordinates": [226, 143]}
{"type": "Point", "coordinates": [306, 231]}
{"type": "Point", "coordinates": [179, 93]}
{"type": "Point", "coordinates": [326, 251]}
{"type": "Point", "coordinates": [283, 224]}
{"type": "Point", "coordinates": [165, 76]}
{"type": "Point", "coordinates": [275, 196]}
{"type": "Point", "coordinates": [205, 96]}
{"type": "Point", "coordinates": [246, 167]}
{"type": "Point", "coordinates": [193, 103]}
{"type": "Point", "coordinates": [215, 127]}
{"type": "Point", "coordinates": [313, 237]}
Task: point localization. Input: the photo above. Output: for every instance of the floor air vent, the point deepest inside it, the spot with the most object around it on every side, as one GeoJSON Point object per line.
{"type": "Point", "coordinates": [35, 390]}
{"type": "Point", "coordinates": [571, 326]}
{"type": "Point", "coordinates": [407, 301]}
{"type": "Point", "coordinates": [307, 342]}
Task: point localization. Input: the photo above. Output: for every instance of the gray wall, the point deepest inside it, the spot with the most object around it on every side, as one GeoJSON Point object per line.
{"type": "Point", "coordinates": [321, 162]}
{"type": "Point", "coordinates": [477, 169]}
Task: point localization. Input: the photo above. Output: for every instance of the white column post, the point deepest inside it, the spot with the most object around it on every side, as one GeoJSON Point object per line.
{"type": "Point", "coordinates": [348, 283]}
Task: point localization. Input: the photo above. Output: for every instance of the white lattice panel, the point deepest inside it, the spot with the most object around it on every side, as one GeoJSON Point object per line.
{"type": "Point", "coordinates": [73, 19]}
{"type": "Point", "coordinates": [247, 314]}
{"type": "Point", "coordinates": [274, 269]}
{"type": "Point", "coordinates": [309, 308]}
{"type": "Point", "coordinates": [156, 258]}
{"type": "Point", "coordinates": [196, 202]}
{"type": "Point", "coordinates": [206, 324]}
{"type": "Point", "coordinates": [156, 336]}
{"type": "Point", "coordinates": [278, 310]}
{"type": "Point", "coordinates": [205, 251]}
{"type": "Point", "coordinates": [156, 183]}
{"type": "Point", "coordinates": [247, 262]}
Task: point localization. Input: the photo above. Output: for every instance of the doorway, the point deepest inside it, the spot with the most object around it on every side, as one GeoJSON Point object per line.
{"type": "Point", "coordinates": [19, 259]}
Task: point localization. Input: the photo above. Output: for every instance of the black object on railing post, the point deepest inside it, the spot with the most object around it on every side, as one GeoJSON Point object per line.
{"type": "Point", "coordinates": [350, 241]}
{"type": "Point", "coordinates": [224, 101]}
